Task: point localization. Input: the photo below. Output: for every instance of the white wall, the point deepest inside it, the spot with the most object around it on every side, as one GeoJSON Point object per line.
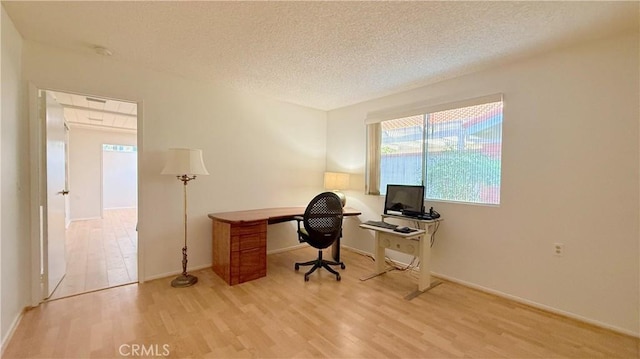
{"type": "Point", "coordinates": [85, 168]}
{"type": "Point", "coordinates": [14, 212]}
{"type": "Point", "coordinates": [260, 152]}
{"type": "Point", "coordinates": [569, 174]}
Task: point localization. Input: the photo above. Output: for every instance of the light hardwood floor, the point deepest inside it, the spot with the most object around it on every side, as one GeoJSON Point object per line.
{"type": "Point", "coordinates": [282, 316]}
{"type": "Point", "coordinates": [101, 253]}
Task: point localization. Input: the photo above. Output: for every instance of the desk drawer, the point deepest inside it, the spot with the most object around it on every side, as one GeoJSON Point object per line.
{"type": "Point", "coordinates": [239, 250]}
{"type": "Point", "coordinates": [248, 236]}
{"type": "Point", "coordinates": [248, 228]}
{"type": "Point", "coordinates": [253, 264]}
{"type": "Point", "coordinates": [248, 241]}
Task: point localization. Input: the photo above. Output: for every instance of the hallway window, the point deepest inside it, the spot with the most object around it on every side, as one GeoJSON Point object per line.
{"type": "Point", "coordinates": [119, 148]}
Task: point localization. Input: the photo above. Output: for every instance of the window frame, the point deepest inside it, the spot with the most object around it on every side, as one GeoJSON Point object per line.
{"type": "Point", "coordinates": [374, 121]}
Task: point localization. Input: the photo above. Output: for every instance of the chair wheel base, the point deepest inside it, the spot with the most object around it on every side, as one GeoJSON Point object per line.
{"type": "Point", "coordinates": [320, 263]}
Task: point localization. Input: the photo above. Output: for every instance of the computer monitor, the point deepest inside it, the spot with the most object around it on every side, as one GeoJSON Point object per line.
{"type": "Point", "coordinates": [404, 199]}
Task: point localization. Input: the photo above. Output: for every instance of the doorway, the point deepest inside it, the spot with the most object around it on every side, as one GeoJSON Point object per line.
{"type": "Point", "coordinates": [101, 156]}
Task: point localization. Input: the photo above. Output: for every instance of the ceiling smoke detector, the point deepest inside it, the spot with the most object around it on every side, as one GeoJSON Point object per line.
{"type": "Point", "coordinates": [101, 50]}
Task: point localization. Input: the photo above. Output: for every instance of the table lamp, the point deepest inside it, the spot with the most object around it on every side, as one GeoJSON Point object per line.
{"type": "Point", "coordinates": [185, 164]}
{"type": "Point", "coordinates": [335, 182]}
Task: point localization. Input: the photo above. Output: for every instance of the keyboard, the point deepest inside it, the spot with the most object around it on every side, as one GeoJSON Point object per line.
{"type": "Point", "coordinates": [380, 224]}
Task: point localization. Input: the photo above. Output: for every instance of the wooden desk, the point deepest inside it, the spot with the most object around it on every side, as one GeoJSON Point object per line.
{"type": "Point", "coordinates": [240, 241]}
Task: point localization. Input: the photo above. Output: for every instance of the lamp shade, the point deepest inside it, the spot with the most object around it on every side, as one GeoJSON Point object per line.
{"type": "Point", "coordinates": [336, 181]}
{"type": "Point", "coordinates": [184, 161]}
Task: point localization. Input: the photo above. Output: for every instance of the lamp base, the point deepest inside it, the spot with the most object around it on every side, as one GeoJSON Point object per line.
{"type": "Point", "coordinates": [343, 198]}
{"type": "Point", "coordinates": [184, 281]}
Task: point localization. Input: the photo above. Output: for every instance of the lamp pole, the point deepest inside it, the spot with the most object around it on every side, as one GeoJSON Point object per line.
{"type": "Point", "coordinates": [185, 279]}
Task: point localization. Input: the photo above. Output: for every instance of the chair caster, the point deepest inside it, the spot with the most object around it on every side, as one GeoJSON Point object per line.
{"type": "Point", "coordinates": [297, 266]}
{"type": "Point", "coordinates": [342, 266]}
{"type": "Point", "coordinates": [338, 278]}
{"type": "Point", "coordinates": [306, 278]}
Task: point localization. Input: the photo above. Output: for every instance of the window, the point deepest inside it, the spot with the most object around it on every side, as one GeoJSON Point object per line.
{"type": "Point", "coordinates": [119, 148]}
{"type": "Point", "coordinates": [454, 150]}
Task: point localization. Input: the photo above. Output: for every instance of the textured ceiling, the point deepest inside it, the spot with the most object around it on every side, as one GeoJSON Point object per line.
{"type": "Point", "coordinates": [320, 54]}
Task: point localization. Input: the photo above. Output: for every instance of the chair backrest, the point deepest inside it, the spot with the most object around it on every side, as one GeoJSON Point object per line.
{"type": "Point", "coordinates": [323, 220]}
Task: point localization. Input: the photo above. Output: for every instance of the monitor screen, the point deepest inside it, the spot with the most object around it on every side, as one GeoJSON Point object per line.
{"type": "Point", "coordinates": [404, 199]}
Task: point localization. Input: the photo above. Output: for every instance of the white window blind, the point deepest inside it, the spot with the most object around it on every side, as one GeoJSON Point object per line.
{"type": "Point", "coordinates": [427, 107]}
{"type": "Point", "coordinates": [455, 152]}
{"type": "Point", "coordinates": [401, 152]}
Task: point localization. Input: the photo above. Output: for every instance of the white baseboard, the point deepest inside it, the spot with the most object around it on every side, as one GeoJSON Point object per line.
{"type": "Point", "coordinates": [174, 273]}
{"type": "Point", "coordinates": [356, 250]}
{"type": "Point", "coordinates": [12, 330]}
{"type": "Point", "coordinates": [517, 299]}
{"type": "Point", "coordinates": [193, 269]}
{"type": "Point", "coordinates": [538, 305]}
{"type": "Point", "coordinates": [458, 281]}
{"type": "Point", "coordinates": [287, 249]}
{"type": "Point", "coordinates": [84, 219]}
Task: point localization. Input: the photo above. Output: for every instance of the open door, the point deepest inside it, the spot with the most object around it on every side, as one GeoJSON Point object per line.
{"type": "Point", "coordinates": [53, 242]}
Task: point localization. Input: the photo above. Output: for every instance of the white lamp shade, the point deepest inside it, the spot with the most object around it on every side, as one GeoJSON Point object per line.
{"type": "Point", "coordinates": [184, 161]}
{"type": "Point", "coordinates": [336, 181]}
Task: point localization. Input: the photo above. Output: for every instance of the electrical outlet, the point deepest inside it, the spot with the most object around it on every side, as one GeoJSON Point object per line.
{"type": "Point", "coordinates": [558, 249]}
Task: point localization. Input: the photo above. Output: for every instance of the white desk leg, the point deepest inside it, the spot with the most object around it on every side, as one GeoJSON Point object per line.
{"type": "Point", "coordinates": [380, 254]}
{"type": "Point", "coordinates": [425, 258]}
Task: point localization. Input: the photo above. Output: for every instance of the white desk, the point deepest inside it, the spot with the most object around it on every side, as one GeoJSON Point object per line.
{"type": "Point", "coordinates": [416, 243]}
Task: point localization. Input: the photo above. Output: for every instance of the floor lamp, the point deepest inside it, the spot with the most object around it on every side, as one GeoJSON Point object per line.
{"type": "Point", "coordinates": [185, 164]}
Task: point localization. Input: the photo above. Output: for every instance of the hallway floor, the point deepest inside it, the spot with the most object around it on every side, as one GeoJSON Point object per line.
{"type": "Point", "coordinates": [101, 253]}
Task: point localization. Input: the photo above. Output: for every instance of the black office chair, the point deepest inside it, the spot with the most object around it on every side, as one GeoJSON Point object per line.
{"type": "Point", "coordinates": [322, 226]}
